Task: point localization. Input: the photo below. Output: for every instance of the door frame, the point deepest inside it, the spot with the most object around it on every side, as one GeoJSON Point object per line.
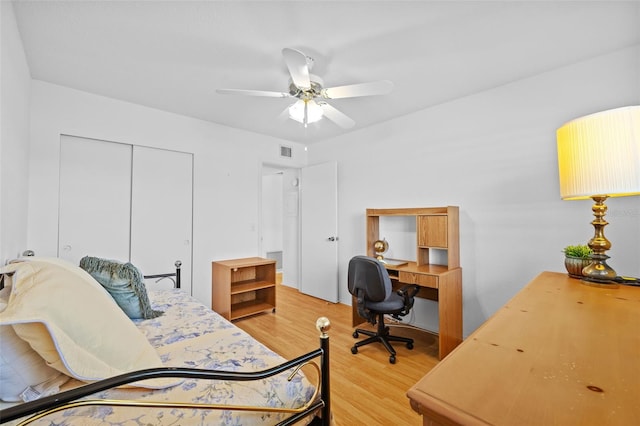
{"type": "Point", "coordinates": [290, 208]}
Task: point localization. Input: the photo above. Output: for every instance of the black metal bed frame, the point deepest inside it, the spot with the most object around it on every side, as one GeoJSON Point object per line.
{"type": "Point", "coordinates": [176, 274]}
{"type": "Point", "coordinates": [64, 399]}
{"type": "Point", "coordinates": [67, 399]}
{"type": "Point", "coordinates": [171, 275]}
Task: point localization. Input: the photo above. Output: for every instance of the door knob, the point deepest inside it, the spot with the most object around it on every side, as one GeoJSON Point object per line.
{"type": "Point", "coordinates": [332, 239]}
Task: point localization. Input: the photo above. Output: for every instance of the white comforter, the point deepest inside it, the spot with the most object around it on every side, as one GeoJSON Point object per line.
{"type": "Point", "coordinates": [191, 335]}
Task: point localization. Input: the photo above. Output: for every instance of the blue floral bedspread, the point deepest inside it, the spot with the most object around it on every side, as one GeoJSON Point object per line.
{"type": "Point", "coordinates": [189, 334]}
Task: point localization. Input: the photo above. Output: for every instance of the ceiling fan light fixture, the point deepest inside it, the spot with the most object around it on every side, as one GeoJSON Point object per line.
{"type": "Point", "coordinates": [312, 114]}
{"type": "Point", "coordinates": [308, 89]}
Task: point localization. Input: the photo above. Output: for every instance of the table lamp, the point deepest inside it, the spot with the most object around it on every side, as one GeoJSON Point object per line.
{"type": "Point", "coordinates": [598, 158]}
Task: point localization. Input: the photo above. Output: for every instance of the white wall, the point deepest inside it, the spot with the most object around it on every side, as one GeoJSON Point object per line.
{"type": "Point", "coordinates": [227, 169]}
{"type": "Point", "coordinates": [494, 155]}
{"type": "Point", "coordinates": [14, 138]}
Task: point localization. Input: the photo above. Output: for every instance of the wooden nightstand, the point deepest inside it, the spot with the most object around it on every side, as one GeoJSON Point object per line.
{"type": "Point", "coordinates": [243, 287]}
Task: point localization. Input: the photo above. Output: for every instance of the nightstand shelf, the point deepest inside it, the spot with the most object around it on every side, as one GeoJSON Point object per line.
{"type": "Point", "coordinates": [245, 309]}
{"type": "Point", "coordinates": [243, 287]}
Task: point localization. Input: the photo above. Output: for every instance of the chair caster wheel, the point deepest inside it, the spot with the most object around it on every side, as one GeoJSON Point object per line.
{"type": "Point", "coordinates": [392, 359]}
{"type": "Point", "coordinates": [409, 345]}
{"type": "Point", "coordinates": [355, 335]}
{"type": "Point", "coordinates": [354, 350]}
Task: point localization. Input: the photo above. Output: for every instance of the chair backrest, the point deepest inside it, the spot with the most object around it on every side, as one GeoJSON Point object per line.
{"type": "Point", "coordinates": [369, 275]}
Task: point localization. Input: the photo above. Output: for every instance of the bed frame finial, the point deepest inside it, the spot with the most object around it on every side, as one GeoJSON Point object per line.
{"type": "Point", "coordinates": [323, 325]}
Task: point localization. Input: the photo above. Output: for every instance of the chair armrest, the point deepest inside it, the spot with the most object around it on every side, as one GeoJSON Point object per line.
{"type": "Point", "coordinates": [408, 292]}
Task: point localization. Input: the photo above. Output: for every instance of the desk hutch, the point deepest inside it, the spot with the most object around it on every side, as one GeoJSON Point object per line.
{"type": "Point", "coordinates": [437, 228]}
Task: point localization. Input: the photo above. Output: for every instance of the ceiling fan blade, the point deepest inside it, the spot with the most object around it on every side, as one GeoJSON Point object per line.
{"type": "Point", "coordinates": [381, 87]}
{"type": "Point", "coordinates": [336, 116]}
{"type": "Point", "coordinates": [253, 93]}
{"type": "Point", "coordinates": [297, 64]}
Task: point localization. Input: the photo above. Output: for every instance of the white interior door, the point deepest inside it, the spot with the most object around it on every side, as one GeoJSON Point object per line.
{"type": "Point", "coordinates": [319, 231]}
{"type": "Point", "coordinates": [161, 213]}
{"type": "Point", "coordinates": [94, 199]}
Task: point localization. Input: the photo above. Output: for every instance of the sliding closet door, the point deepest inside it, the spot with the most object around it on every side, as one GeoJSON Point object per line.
{"type": "Point", "coordinates": [128, 203]}
{"type": "Point", "coordinates": [161, 213]}
{"type": "Point", "coordinates": [94, 203]}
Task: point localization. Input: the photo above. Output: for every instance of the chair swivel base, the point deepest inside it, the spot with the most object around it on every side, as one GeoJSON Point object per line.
{"type": "Point", "coordinates": [381, 335]}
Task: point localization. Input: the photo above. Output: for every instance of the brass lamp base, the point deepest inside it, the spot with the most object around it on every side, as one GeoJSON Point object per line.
{"type": "Point", "coordinates": [609, 285]}
{"type": "Point", "coordinates": [598, 270]}
{"type": "Point", "coordinates": [598, 273]}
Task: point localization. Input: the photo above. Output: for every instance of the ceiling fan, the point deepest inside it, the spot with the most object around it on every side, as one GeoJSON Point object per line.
{"type": "Point", "coordinates": [311, 96]}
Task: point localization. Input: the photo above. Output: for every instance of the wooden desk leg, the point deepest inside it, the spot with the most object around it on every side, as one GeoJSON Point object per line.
{"type": "Point", "coordinates": [450, 311]}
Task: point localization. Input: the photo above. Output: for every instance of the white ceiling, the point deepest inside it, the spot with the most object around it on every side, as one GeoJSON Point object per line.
{"type": "Point", "coordinates": [173, 55]}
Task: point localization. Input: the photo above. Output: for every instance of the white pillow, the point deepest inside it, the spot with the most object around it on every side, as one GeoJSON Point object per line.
{"type": "Point", "coordinates": [24, 375]}
{"type": "Point", "coordinates": [74, 324]}
{"type": "Point", "coordinates": [22, 370]}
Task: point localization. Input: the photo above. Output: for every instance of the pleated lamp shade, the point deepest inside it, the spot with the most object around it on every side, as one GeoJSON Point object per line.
{"type": "Point", "coordinates": [599, 154]}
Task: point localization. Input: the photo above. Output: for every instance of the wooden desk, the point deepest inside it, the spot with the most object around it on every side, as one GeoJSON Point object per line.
{"type": "Point", "coordinates": [436, 229]}
{"type": "Point", "coordinates": [558, 353]}
{"type": "Point", "coordinates": [438, 283]}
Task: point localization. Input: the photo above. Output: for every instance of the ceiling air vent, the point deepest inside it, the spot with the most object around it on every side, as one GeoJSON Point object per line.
{"type": "Point", "coordinates": [285, 151]}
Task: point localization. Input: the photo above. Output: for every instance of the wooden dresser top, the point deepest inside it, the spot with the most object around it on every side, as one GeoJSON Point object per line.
{"type": "Point", "coordinates": [560, 352]}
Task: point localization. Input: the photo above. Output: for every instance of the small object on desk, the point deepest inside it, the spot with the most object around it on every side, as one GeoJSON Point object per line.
{"type": "Point", "coordinates": [393, 262]}
{"type": "Point", "coordinates": [627, 280]}
{"type": "Point", "coordinates": [380, 247]}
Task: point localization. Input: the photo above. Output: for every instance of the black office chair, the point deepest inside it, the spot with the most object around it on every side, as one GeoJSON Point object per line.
{"type": "Point", "coordinates": [370, 284]}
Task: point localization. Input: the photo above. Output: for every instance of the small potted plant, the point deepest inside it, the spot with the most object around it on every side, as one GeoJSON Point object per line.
{"type": "Point", "coordinates": [576, 258]}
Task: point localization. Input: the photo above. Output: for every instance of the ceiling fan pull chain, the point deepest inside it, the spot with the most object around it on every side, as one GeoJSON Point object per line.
{"type": "Point", "coordinates": [305, 114]}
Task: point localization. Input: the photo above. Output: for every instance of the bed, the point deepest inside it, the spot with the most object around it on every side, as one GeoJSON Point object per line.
{"type": "Point", "coordinates": [181, 364]}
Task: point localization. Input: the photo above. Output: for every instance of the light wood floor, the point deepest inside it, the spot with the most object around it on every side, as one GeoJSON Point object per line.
{"type": "Point", "coordinates": [365, 388]}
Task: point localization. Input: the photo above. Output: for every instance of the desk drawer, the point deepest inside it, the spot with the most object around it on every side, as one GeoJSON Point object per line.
{"type": "Point", "coordinates": [420, 279]}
